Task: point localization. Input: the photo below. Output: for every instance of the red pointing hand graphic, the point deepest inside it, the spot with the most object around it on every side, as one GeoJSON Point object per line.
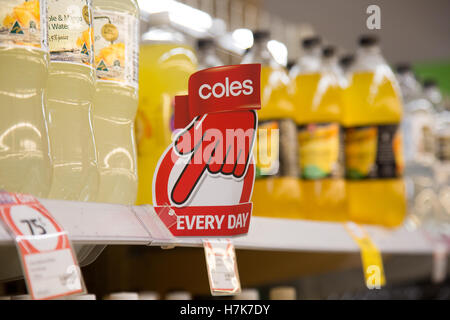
{"type": "Point", "coordinates": [217, 143]}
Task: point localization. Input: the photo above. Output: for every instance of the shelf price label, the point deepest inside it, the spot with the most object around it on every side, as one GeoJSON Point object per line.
{"type": "Point", "coordinates": [222, 267]}
{"type": "Point", "coordinates": [370, 255]}
{"type": "Point", "coordinates": [48, 261]}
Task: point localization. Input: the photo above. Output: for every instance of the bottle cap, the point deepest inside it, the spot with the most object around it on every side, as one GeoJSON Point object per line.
{"type": "Point", "coordinates": [149, 295]}
{"type": "Point", "coordinates": [261, 35]}
{"type": "Point", "coordinates": [403, 68]}
{"type": "Point", "coordinates": [178, 295]}
{"type": "Point", "coordinates": [158, 19]}
{"type": "Point", "coordinates": [310, 42]}
{"type": "Point", "coordinates": [205, 43]}
{"type": "Point", "coordinates": [122, 296]}
{"type": "Point", "coordinates": [290, 64]}
{"type": "Point", "coordinates": [328, 51]}
{"type": "Point", "coordinates": [283, 293]}
{"type": "Point", "coordinates": [347, 60]}
{"type": "Point", "coordinates": [429, 83]}
{"type": "Point", "coordinates": [82, 297]}
{"type": "Point", "coordinates": [247, 294]}
{"type": "Point", "coordinates": [368, 40]}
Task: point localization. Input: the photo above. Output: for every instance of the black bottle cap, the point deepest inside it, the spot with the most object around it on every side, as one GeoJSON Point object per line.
{"type": "Point", "coordinates": [290, 64]}
{"type": "Point", "coordinates": [347, 60]}
{"type": "Point", "coordinates": [403, 68]}
{"type": "Point", "coordinates": [328, 51]}
{"type": "Point", "coordinates": [429, 83]}
{"type": "Point", "coordinates": [368, 40]}
{"type": "Point", "coordinates": [310, 42]}
{"type": "Point", "coordinates": [260, 35]}
{"type": "Point", "coordinates": [205, 43]}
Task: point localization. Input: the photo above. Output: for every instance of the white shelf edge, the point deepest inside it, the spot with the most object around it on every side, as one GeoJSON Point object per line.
{"type": "Point", "coordinates": [100, 223]}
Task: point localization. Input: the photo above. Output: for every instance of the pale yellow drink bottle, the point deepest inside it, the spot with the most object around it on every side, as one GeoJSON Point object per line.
{"type": "Point", "coordinates": [166, 62]}
{"type": "Point", "coordinates": [70, 92]}
{"type": "Point", "coordinates": [25, 164]}
{"type": "Point", "coordinates": [116, 28]}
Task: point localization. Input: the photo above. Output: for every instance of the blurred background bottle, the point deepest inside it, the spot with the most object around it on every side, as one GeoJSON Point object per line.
{"type": "Point", "coordinates": [116, 45]}
{"type": "Point", "coordinates": [277, 190]}
{"type": "Point", "coordinates": [166, 62]}
{"type": "Point", "coordinates": [206, 53]}
{"type": "Point", "coordinates": [373, 145]}
{"type": "Point", "coordinates": [25, 163]}
{"type": "Point", "coordinates": [70, 92]}
{"type": "Point", "coordinates": [316, 93]}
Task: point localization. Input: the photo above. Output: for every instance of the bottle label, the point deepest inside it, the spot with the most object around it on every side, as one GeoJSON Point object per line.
{"type": "Point", "coordinates": [116, 47]}
{"type": "Point", "coordinates": [24, 23]}
{"type": "Point", "coordinates": [418, 137]}
{"type": "Point", "coordinates": [443, 147]}
{"type": "Point", "coordinates": [70, 35]}
{"type": "Point", "coordinates": [373, 152]}
{"type": "Point", "coordinates": [276, 148]}
{"type": "Point", "coordinates": [320, 150]}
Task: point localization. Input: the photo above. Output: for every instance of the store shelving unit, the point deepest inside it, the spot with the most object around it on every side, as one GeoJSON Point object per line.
{"type": "Point", "coordinates": [108, 224]}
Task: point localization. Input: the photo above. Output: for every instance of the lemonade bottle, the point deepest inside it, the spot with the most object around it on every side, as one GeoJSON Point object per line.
{"type": "Point", "coordinates": [70, 91]}
{"type": "Point", "coordinates": [316, 93]}
{"type": "Point", "coordinates": [116, 44]}
{"type": "Point", "coordinates": [276, 189]}
{"type": "Point", "coordinates": [25, 163]}
{"type": "Point", "coordinates": [373, 144]}
{"type": "Point", "coordinates": [166, 64]}
{"type": "Point", "coordinates": [207, 57]}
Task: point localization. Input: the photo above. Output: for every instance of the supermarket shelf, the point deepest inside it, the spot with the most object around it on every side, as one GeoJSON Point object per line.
{"type": "Point", "coordinates": [98, 223]}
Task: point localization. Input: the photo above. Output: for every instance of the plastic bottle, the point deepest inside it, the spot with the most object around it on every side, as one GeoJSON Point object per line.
{"type": "Point", "coordinates": [206, 54]}
{"type": "Point", "coordinates": [116, 45]}
{"type": "Point", "coordinates": [316, 93]}
{"type": "Point", "coordinates": [149, 295]}
{"type": "Point", "coordinates": [166, 62]}
{"type": "Point", "coordinates": [70, 92]}
{"type": "Point", "coordinates": [418, 119]}
{"type": "Point", "coordinates": [276, 191]}
{"type": "Point", "coordinates": [122, 296]}
{"type": "Point", "coordinates": [25, 162]}
{"type": "Point", "coordinates": [418, 140]}
{"type": "Point", "coordinates": [283, 293]}
{"type": "Point", "coordinates": [178, 295]}
{"type": "Point", "coordinates": [373, 144]}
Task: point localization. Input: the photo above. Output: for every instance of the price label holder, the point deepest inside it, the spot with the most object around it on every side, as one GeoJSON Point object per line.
{"type": "Point", "coordinates": [370, 255]}
{"type": "Point", "coordinates": [222, 267]}
{"type": "Point", "coordinates": [47, 258]}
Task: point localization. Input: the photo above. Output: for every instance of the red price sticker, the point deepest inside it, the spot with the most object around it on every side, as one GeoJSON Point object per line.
{"type": "Point", "coordinates": [222, 267]}
{"type": "Point", "coordinates": [47, 258]}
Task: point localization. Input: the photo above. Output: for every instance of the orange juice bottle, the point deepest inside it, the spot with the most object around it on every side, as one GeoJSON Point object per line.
{"type": "Point", "coordinates": [373, 145]}
{"type": "Point", "coordinates": [316, 93]}
{"type": "Point", "coordinates": [165, 65]}
{"type": "Point", "coordinates": [276, 190]}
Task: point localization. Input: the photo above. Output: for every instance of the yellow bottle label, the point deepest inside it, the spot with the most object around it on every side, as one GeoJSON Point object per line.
{"type": "Point", "coordinates": [116, 45]}
{"type": "Point", "coordinates": [370, 256]}
{"type": "Point", "coordinates": [70, 33]}
{"type": "Point", "coordinates": [319, 147]}
{"type": "Point", "coordinates": [24, 23]}
{"type": "Point", "coordinates": [373, 152]}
